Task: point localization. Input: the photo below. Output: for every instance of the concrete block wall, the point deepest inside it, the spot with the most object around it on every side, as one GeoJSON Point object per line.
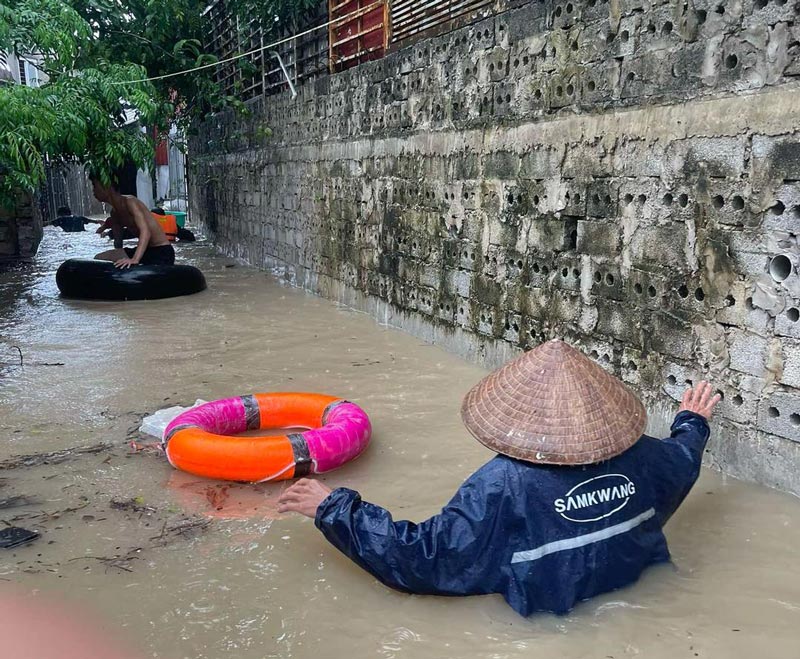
{"type": "Point", "coordinates": [622, 174]}
{"type": "Point", "coordinates": [20, 229]}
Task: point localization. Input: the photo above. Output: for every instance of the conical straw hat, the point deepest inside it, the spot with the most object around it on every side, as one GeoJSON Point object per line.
{"type": "Point", "coordinates": [554, 405]}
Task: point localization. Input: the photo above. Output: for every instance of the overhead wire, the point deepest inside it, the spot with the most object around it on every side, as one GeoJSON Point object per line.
{"type": "Point", "coordinates": [346, 17]}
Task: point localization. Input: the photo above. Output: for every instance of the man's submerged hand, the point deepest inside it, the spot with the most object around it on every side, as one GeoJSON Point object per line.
{"type": "Point", "coordinates": [125, 263]}
{"type": "Point", "coordinates": [303, 497]}
{"type": "Point", "coordinates": [699, 400]}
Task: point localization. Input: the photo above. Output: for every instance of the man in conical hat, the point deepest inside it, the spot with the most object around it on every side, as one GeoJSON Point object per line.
{"type": "Point", "coordinates": [573, 506]}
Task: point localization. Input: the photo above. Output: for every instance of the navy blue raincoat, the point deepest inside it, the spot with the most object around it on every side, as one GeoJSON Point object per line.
{"type": "Point", "coordinates": [545, 537]}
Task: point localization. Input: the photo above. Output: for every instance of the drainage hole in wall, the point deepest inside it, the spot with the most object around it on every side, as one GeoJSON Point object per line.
{"type": "Point", "coordinates": [628, 198]}
{"type": "Point", "coordinates": [651, 28]}
{"type": "Point", "coordinates": [519, 264]}
{"type": "Point", "coordinates": [624, 35]}
{"type": "Point", "coordinates": [609, 280]}
{"type": "Point", "coordinates": [573, 239]}
{"type": "Point", "coordinates": [633, 366]}
{"type": "Point", "coordinates": [651, 291]}
{"type": "Point", "coordinates": [731, 61]}
{"type": "Point", "coordinates": [559, 11]}
{"type": "Point", "coordinates": [737, 400]}
{"type": "Point", "coordinates": [778, 208]}
{"type": "Point", "coordinates": [793, 315]}
{"type": "Point", "coordinates": [590, 85]}
{"type": "Point", "coordinates": [748, 303]}
{"type": "Point", "coordinates": [576, 273]}
{"type": "Point", "coordinates": [631, 76]}
{"type": "Point", "coordinates": [545, 270]}
{"type": "Point", "coordinates": [610, 37]}
{"type": "Point", "coordinates": [683, 292]}
{"type": "Point", "coordinates": [773, 412]}
{"type": "Point", "coordinates": [671, 379]}
{"type": "Point", "coordinates": [569, 8]}
{"type": "Point", "coordinates": [594, 354]}
{"type": "Point", "coordinates": [720, 9]}
{"type": "Point", "coordinates": [780, 267]}
{"type": "Point", "coordinates": [638, 288]}
{"type": "Point", "coordinates": [683, 200]}
{"type": "Point", "coordinates": [560, 90]}
{"type": "Point", "coordinates": [720, 393]}
{"type": "Point", "coordinates": [718, 202]}
{"type": "Point", "coordinates": [570, 90]}
{"type": "Point", "coordinates": [794, 419]}
{"type": "Point", "coordinates": [667, 29]}
{"type": "Point", "coordinates": [565, 272]}
{"type": "Point", "coordinates": [688, 383]}
{"type": "Point", "coordinates": [760, 4]}
{"type": "Point", "coordinates": [642, 198]}
{"type": "Point", "coordinates": [702, 14]}
{"type": "Point", "coordinates": [737, 203]}
{"type": "Point", "coordinates": [598, 277]}
{"type": "Point", "coordinates": [730, 300]}
{"type": "Point", "coordinates": [699, 294]}
{"type": "Point", "coordinates": [667, 199]}
{"type": "Point", "coordinates": [536, 268]}
{"type": "Point", "coordinates": [605, 359]}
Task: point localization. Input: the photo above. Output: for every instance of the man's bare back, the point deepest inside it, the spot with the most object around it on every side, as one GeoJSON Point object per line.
{"type": "Point", "coordinates": [123, 217]}
{"type": "Point", "coordinates": [129, 213]}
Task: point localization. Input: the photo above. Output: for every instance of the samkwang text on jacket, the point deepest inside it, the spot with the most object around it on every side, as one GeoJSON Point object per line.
{"type": "Point", "coordinates": [545, 537]}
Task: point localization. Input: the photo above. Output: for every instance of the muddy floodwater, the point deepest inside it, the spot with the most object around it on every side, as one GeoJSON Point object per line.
{"type": "Point", "coordinates": [183, 567]}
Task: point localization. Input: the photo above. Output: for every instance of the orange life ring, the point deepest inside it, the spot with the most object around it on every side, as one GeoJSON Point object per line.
{"type": "Point", "coordinates": [202, 440]}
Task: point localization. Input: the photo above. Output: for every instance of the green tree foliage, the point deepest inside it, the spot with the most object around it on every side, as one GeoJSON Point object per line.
{"type": "Point", "coordinates": [94, 51]}
{"type": "Point", "coordinates": [80, 113]}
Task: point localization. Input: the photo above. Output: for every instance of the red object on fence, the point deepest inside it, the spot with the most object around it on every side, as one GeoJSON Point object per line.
{"type": "Point", "coordinates": [362, 35]}
{"type": "Point", "coordinates": [162, 151]}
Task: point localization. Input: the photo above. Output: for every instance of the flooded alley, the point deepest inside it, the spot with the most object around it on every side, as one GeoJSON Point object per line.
{"type": "Point", "coordinates": [187, 568]}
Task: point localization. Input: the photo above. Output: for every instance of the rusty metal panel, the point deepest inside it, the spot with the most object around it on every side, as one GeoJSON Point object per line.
{"type": "Point", "coordinates": [413, 19]}
{"type": "Point", "coordinates": [361, 34]}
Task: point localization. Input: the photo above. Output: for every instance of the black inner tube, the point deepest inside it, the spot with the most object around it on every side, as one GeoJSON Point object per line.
{"type": "Point", "coordinates": [91, 279]}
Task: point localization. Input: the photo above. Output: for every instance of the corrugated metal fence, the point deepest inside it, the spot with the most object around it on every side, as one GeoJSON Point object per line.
{"type": "Point", "coordinates": [416, 18]}
{"type": "Point", "coordinates": [68, 185]}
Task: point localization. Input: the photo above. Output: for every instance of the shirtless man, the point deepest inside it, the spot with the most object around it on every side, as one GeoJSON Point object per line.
{"type": "Point", "coordinates": [129, 213]}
